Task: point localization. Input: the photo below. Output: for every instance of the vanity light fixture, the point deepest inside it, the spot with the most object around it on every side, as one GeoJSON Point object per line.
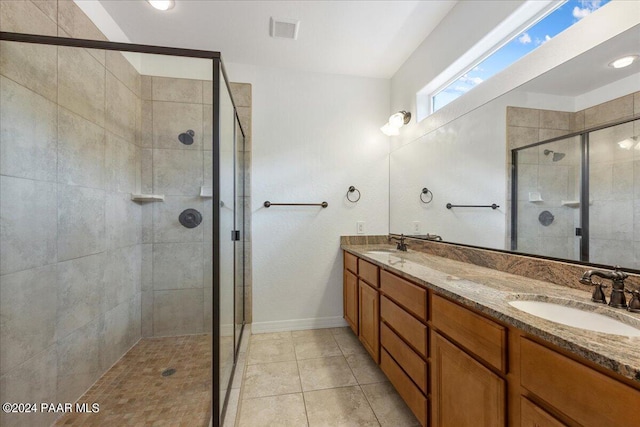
{"type": "Point", "coordinates": [396, 121]}
{"type": "Point", "coordinates": [162, 4]}
{"type": "Point", "coordinates": [624, 61]}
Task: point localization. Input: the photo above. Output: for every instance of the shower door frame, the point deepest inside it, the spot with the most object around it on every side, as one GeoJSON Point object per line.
{"type": "Point", "coordinates": [584, 187]}
{"type": "Point", "coordinates": [218, 70]}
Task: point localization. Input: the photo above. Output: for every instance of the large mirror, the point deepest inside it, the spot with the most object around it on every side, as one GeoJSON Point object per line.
{"type": "Point", "coordinates": [547, 122]}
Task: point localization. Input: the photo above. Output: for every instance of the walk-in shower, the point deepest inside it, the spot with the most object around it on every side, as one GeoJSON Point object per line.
{"type": "Point", "coordinates": [121, 232]}
{"type": "Point", "coordinates": [576, 196]}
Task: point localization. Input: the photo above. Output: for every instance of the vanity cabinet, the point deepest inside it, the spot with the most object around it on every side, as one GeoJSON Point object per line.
{"type": "Point", "coordinates": [456, 367]}
{"type": "Point", "coordinates": [463, 391]}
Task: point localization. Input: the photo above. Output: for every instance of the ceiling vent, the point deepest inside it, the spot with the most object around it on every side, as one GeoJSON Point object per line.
{"type": "Point", "coordinates": [284, 28]}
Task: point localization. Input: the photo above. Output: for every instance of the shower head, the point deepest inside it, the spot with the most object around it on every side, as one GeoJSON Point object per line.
{"type": "Point", "coordinates": [556, 156]}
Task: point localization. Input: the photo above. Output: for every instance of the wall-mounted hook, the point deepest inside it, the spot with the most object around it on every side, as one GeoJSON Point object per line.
{"type": "Point", "coordinates": [353, 189]}
{"type": "Point", "coordinates": [426, 196]}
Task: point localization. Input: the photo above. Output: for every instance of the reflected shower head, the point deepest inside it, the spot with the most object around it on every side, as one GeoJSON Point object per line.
{"type": "Point", "coordinates": [556, 156]}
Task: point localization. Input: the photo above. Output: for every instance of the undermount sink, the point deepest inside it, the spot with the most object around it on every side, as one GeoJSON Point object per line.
{"type": "Point", "coordinates": [383, 251]}
{"type": "Point", "coordinates": [576, 317]}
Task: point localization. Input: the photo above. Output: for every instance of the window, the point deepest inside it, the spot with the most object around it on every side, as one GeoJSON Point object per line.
{"type": "Point", "coordinates": [540, 29]}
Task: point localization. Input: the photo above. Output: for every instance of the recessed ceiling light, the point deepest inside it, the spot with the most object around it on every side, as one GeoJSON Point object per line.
{"type": "Point", "coordinates": [624, 61]}
{"type": "Point", "coordinates": [162, 4]}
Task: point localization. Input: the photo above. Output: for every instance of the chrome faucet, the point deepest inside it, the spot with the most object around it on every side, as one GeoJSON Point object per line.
{"type": "Point", "coordinates": [401, 246]}
{"type": "Point", "coordinates": [617, 290]}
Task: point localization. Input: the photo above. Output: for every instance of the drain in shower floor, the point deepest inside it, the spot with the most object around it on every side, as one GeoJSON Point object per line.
{"type": "Point", "coordinates": [168, 372]}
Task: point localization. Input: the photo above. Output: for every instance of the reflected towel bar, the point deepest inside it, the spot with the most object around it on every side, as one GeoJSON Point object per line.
{"type": "Point", "coordinates": [493, 206]}
{"type": "Point", "coordinates": [268, 203]}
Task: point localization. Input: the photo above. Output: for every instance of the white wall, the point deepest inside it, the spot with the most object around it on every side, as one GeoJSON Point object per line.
{"type": "Point", "coordinates": [314, 135]}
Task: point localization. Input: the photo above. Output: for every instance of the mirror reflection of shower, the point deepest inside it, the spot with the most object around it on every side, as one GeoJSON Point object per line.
{"type": "Point", "coordinates": [556, 156]}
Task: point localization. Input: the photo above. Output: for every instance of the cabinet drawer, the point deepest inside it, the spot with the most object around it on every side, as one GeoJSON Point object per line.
{"type": "Point", "coordinates": [351, 262]}
{"type": "Point", "coordinates": [531, 415]}
{"type": "Point", "coordinates": [408, 359]}
{"type": "Point", "coordinates": [480, 336]}
{"type": "Point", "coordinates": [368, 272]}
{"type": "Point", "coordinates": [413, 298]}
{"type": "Point", "coordinates": [407, 326]}
{"type": "Point", "coordinates": [582, 393]}
{"type": "Point", "coordinates": [416, 401]}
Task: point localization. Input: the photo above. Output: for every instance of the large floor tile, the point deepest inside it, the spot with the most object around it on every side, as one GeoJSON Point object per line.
{"type": "Point", "coordinates": [271, 336]}
{"type": "Point", "coordinates": [365, 369]}
{"type": "Point", "coordinates": [311, 335]}
{"type": "Point", "coordinates": [271, 379]}
{"type": "Point", "coordinates": [328, 372]}
{"type": "Point", "coordinates": [389, 406]}
{"type": "Point", "coordinates": [317, 347]}
{"type": "Point", "coordinates": [349, 343]}
{"type": "Point", "coordinates": [346, 406]}
{"type": "Point", "coordinates": [283, 411]}
{"type": "Point", "coordinates": [270, 351]}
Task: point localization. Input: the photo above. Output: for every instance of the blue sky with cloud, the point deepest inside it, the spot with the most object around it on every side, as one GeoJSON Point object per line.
{"type": "Point", "coordinates": [553, 24]}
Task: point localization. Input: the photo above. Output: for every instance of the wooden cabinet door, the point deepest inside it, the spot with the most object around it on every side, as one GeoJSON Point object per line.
{"type": "Point", "coordinates": [464, 392]}
{"type": "Point", "coordinates": [350, 301]}
{"type": "Point", "coordinates": [370, 320]}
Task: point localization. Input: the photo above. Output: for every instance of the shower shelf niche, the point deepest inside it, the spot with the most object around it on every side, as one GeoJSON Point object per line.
{"type": "Point", "coordinates": [147, 198]}
{"type": "Point", "coordinates": [206, 192]}
{"type": "Point", "coordinates": [573, 203]}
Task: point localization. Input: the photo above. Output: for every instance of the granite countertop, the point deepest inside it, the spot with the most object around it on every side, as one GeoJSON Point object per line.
{"type": "Point", "coordinates": [489, 291]}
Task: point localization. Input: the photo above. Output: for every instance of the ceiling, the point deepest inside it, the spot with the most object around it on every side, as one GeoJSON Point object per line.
{"type": "Point", "coordinates": [362, 38]}
{"type": "Point", "coordinates": [590, 70]}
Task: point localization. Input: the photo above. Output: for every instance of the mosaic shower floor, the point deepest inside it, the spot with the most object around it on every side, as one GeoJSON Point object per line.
{"type": "Point", "coordinates": [135, 393]}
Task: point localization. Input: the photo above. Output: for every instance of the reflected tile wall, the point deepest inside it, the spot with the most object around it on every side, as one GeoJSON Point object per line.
{"type": "Point", "coordinates": [614, 179]}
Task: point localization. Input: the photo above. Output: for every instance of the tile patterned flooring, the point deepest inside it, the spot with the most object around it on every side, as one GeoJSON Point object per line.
{"type": "Point", "coordinates": [320, 377]}
{"type": "Point", "coordinates": [134, 393]}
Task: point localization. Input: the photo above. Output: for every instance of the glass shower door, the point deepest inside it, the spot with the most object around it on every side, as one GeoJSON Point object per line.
{"type": "Point", "coordinates": [614, 195]}
{"type": "Point", "coordinates": [240, 232]}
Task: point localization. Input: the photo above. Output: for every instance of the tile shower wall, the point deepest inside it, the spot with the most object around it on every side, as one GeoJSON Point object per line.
{"type": "Point", "coordinates": [70, 237]}
{"type": "Point", "coordinates": [173, 288]}
{"type": "Point", "coordinates": [608, 189]}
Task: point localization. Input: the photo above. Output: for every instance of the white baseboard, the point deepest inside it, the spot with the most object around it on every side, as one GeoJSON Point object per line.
{"type": "Point", "coordinates": [297, 324]}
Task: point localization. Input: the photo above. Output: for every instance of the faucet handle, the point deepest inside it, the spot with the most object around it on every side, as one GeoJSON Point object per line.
{"type": "Point", "coordinates": [598, 294]}
{"type": "Point", "coordinates": [634, 304]}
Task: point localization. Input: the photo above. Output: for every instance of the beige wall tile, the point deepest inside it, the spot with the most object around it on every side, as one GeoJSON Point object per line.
{"type": "Point", "coordinates": [27, 17]}
{"type": "Point", "coordinates": [114, 337]}
{"type": "Point", "coordinates": [32, 243]}
{"type": "Point", "coordinates": [33, 381]}
{"type": "Point", "coordinates": [147, 313]}
{"type": "Point", "coordinates": [28, 317]}
{"type": "Point", "coordinates": [520, 136]}
{"type": "Point", "coordinates": [28, 133]}
{"type": "Point", "coordinates": [49, 7]}
{"type": "Point", "coordinates": [81, 84]}
{"type": "Point", "coordinates": [241, 93]}
{"type": "Point", "coordinates": [523, 117]}
{"type": "Point", "coordinates": [286, 411]}
{"type": "Point", "coordinates": [577, 123]}
{"type": "Point", "coordinates": [340, 406]}
{"type": "Point", "coordinates": [636, 103]}
{"type": "Point", "coordinates": [81, 221]}
{"type": "Point", "coordinates": [120, 165]}
{"type": "Point", "coordinates": [146, 125]}
{"type": "Point", "coordinates": [177, 312]}
{"type": "Point", "coordinates": [122, 69]}
{"type": "Point", "coordinates": [207, 308]}
{"type": "Point", "coordinates": [80, 151]}
{"type": "Point", "coordinates": [176, 90]}
{"type": "Point", "coordinates": [80, 290]}
{"type": "Point", "coordinates": [207, 92]}
{"type": "Point", "coordinates": [121, 276]}
{"type": "Point", "coordinates": [177, 172]}
{"type": "Point", "coordinates": [170, 119]}
{"type": "Point", "coordinates": [177, 266]}
{"type": "Point", "coordinates": [74, 21]}
{"type": "Point", "coordinates": [145, 88]}
{"type": "Point", "coordinates": [31, 65]}
{"type": "Point", "coordinates": [78, 361]}
{"type": "Point", "coordinates": [244, 113]}
{"type": "Point", "coordinates": [120, 109]}
{"type": "Point", "coordinates": [207, 127]}
{"type": "Point", "coordinates": [616, 109]}
{"type": "Point", "coordinates": [555, 120]}
{"type": "Point", "coordinates": [123, 221]}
